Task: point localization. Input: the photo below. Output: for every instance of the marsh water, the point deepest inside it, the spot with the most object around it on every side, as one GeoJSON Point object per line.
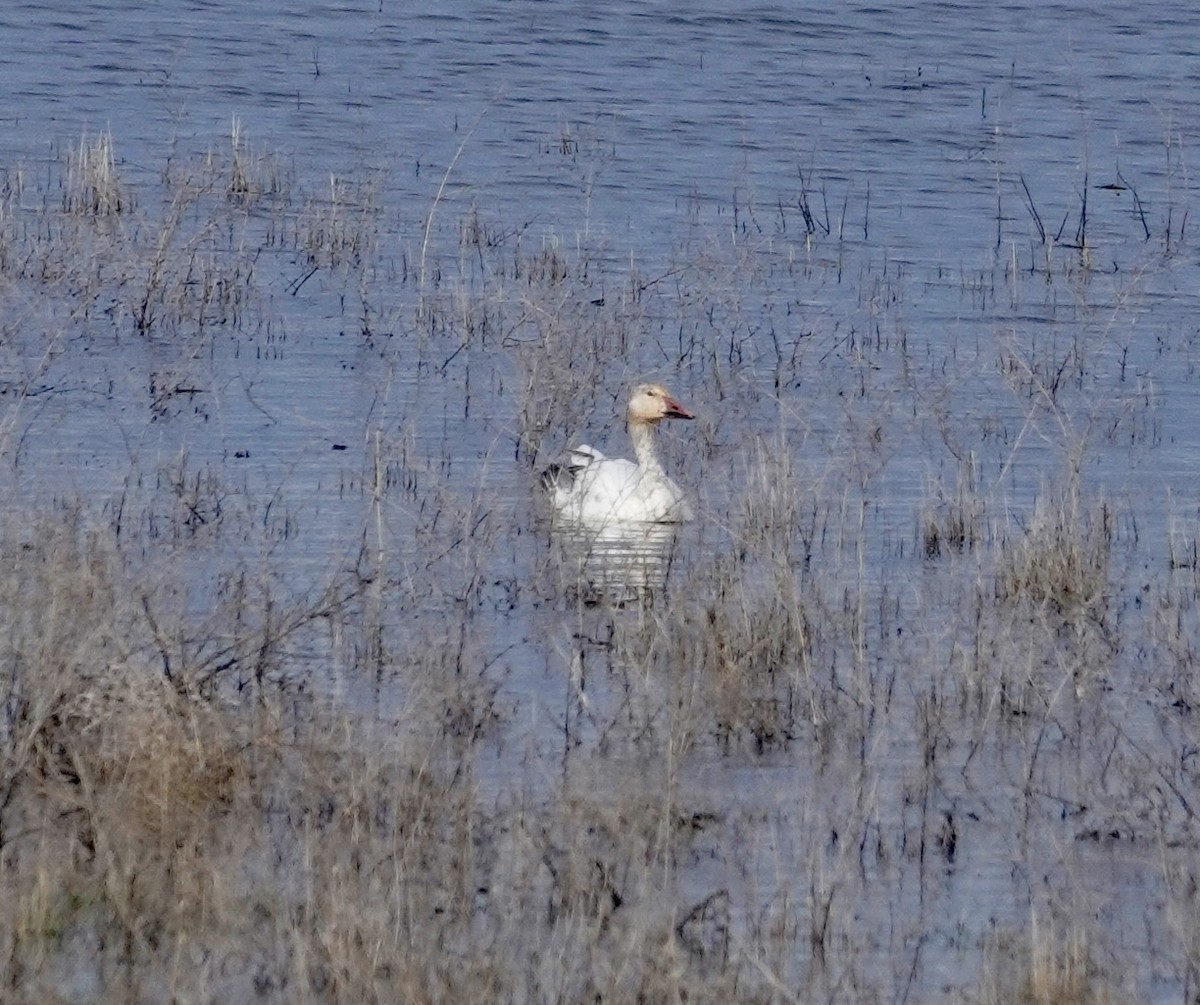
{"type": "Point", "coordinates": [894, 257]}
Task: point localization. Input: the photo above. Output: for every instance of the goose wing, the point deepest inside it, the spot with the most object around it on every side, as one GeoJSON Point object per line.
{"type": "Point", "coordinates": [564, 475]}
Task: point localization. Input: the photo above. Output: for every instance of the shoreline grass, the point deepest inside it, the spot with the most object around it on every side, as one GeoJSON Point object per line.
{"type": "Point", "coordinates": [909, 685]}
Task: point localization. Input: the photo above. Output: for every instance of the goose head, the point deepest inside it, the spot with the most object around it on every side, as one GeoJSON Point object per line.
{"type": "Point", "coordinates": [651, 403]}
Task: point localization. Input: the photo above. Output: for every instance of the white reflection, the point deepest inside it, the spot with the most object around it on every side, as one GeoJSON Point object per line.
{"type": "Point", "coordinates": [615, 562]}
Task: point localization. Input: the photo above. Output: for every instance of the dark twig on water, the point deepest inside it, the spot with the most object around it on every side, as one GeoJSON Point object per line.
{"type": "Point", "coordinates": [1081, 230]}
{"type": "Point", "coordinates": [1137, 203]}
{"type": "Point", "coordinates": [294, 286]}
{"type": "Point", "coordinates": [1061, 227]}
{"type": "Point", "coordinates": [810, 222]}
{"type": "Point", "coordinates": [1037, 219]}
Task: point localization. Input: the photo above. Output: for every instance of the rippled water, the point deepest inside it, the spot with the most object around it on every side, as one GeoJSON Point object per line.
{"type": "Point", "coordinates": [866, 190]}
{"type": "Point", "coordinates": [907, 132]}
{"type": "Point", "coordinates": [926, 103]}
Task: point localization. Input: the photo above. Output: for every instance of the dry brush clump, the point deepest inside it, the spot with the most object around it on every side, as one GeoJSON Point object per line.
{"type": "Point", "coordinates": [744, 666]}
{"type": "Point", "coordinates": [93, 187]}
{"type": "Point", "coordinates": [179, 256]}
{"type": "Point", "coordinates": [1048, 966]}
{"type": "Point", "coordinates": [339, 229]}
{"type": "Point", "coordinates": [168, 269]}
{"type": "Point", "coordinates": [1061, 560]}
{"type": "Point", "coordinates": [135, 776]}
{"type": "Point", "coordinates": [752, 640]}
{"type": "Point", "coordinates": [159, 840]}
{"type": "Point", "coordinates": [954, 521]}
{"type": "Point", "coordinates": [112, 774]}
{"type": "Point", "coordinates": [175, 824]}
{"type": "Point", "coordinates": [247, 175]}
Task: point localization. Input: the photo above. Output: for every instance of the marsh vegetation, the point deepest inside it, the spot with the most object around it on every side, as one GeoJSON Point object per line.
{"type": "Point", "coordinates": [301, 702]}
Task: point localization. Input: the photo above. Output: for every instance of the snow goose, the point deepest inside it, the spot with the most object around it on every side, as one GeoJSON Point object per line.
{"type": "Point", "coordinates": [590, 488]}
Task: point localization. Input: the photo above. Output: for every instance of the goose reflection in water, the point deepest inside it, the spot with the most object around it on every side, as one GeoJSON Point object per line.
{"type": "Point", "coordinates": [616, 562]}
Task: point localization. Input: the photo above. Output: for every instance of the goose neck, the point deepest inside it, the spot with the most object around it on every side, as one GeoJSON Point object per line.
{"type": "Point", "coordinates": [642, 435]}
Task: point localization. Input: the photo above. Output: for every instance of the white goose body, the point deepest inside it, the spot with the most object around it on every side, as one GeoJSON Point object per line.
{"type": "Point", "coordinates": [593, 489]}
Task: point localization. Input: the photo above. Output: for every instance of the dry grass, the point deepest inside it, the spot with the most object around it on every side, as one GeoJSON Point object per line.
{"type": "Point", "coordinates": [954, 521]}
{"type": "Point", "coordinates": [249, 175]}
{"type": "Point", "coordinates": [1046, 968]}
{"type": "Point", "coordinates": [93, 187]}
{"type": "Point", "coordinates": [440, 768]}
{"type": "Point", "coordinates": [212, 846]}
{"type": "Point", "coordinates": [1061, 560]}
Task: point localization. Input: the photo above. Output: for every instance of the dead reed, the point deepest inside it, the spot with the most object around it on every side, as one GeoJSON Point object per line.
{"type": "Point", "coordinates": [93, 187]}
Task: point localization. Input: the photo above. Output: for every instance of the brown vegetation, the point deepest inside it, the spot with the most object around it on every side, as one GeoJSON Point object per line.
{"type": "Point", "coordinates": [873, 737]}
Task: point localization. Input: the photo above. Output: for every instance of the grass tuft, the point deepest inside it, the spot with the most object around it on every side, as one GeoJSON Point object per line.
{"type": "Point", "coordinates": [1061, 559]}
{"type": "Point", "coordinates": [93, 187]}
